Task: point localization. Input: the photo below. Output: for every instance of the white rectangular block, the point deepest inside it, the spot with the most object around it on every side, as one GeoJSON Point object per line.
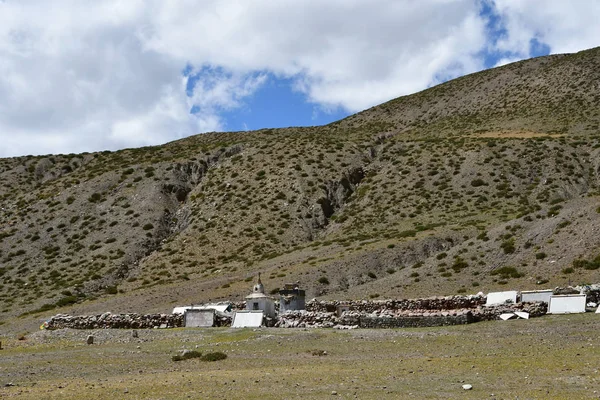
{"type": "Point", "coordinates": [247, 319]}
{"type": "Point", "coordinates": [199, 318]}
{"type": "Point", "coordinates": [494, 298]}
{"type": "Point", "coordinates": [567, 304]}
{"type": "Point", "coordinates": [536, 296]}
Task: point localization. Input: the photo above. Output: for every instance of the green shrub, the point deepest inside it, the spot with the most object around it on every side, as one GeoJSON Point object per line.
{"type": "Point", "coordinates": [187, 355]}
{"type": "Point", "coordinates": [147, 227]}
{"type": "Point", "coordinates": [215, 356]}
{"type": "Point", "coordinates": [111, 290]}
{"type": "Point", "coordinates": [507, 272]}
{"type": "Point", "coordinates": [508, 246]}
{"type": "Point", "coordinates": [65, 301]}
{"type": "Point", "coordinates": [323, 280]}
{"type": "Point", "coordinates": [95, 198]}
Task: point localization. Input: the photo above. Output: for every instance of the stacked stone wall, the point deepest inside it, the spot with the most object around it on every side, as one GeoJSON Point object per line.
{"type": "Point", "coordinates": [115, 321]}
{"type": "Point", "coordinates": [370, 306]}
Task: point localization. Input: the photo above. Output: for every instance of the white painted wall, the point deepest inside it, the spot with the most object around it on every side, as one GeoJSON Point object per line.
{"type": "Point", "coordinates": [567, 304]}
{"type": "Point", "coordinates": [494, 298]}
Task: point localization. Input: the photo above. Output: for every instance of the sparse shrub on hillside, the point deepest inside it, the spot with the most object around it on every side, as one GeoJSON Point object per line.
{"type": "Point", "coordinates": [111, 290]}
{"type": "Point", "coordinates": [323, 280]}
{"type": "Point", "coordinates": [587, 264]}
{"type": "Point", "coordinates": [508, 246]}
{"type": "Point", "coordinates": [507, 272]}
{"type": "Point", "coordinates": [459, 264]}
{"type": "Point", "coordinates": [95, 198]}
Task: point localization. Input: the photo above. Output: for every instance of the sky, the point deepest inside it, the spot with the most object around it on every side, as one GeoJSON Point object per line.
{"type": "Point", "coordinates": [91, 75]}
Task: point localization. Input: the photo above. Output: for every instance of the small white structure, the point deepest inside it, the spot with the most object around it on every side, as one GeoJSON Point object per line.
{"type": "Point", "coordinates": [247, 319]}
{"type": "Point", "coordinates": [536, 296]}
{"type": "Point", "coordinates": [183, 309]}
{"type": "Point", "coordinates": [567, 304]}
{"type": "Point", "coordinates": [259, 301]}
{"type": "Point", "coordinates": [494, 298]}
{"type": "Point", "coordinates": [522, 314]}
{"type": "Point", "coordinates": [194, 318]}
{"type": "Point", "coordinates": [223, 308]}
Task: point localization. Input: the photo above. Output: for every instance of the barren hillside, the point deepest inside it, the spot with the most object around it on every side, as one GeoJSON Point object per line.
{"type": "Point", "coordinates": [484, 182]}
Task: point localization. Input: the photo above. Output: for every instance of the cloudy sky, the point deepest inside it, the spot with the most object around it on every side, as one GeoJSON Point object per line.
{"type": "Point", "coordinates": [87, 75]}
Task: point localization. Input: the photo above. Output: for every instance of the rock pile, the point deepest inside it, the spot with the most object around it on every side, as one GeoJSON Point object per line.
{"type": "Point", "coordinates": [118, 321]}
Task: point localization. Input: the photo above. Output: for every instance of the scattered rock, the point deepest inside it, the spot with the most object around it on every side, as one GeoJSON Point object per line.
{"type": "Point", "coordinates": [467, 387]}
{"type": "Point", "coordinates": [90, 339]}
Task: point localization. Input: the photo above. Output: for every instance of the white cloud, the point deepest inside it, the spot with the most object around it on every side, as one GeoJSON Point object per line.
{"type": "Point", "coordinates": [89, 75]}
{"type": "Point", "coordinates": [565, 26]}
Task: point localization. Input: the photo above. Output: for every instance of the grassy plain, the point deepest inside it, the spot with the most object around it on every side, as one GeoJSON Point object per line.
{"type": "Point", "coordinates": [553, 357]}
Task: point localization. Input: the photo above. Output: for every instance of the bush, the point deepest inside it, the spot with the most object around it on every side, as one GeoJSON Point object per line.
{"type": "Point", "coordinates": [215, 356]}
{"type": "Point", "coordinates": [507, 272]}
{"type": "Point", "coordinates": [147, 227]}
{"type": "Point", "coordinates": [508, 246]}
{"type": "Point", "coordinates": [478, 182]}
{"type": "Point", "coordinates": [540, 255]}
{"type": "Point", "coordinates": [323, 280]}
{"type": "Point", "coordinates": [111, 290]}
{"type": "Point", "coordinates": [65, 301]}
{"type": "Point", "coordinates": [95, 198]}
{"type": "Point", "coordinates": [187, 355]}
{"type": "Point", "coordinates": [372, 275]}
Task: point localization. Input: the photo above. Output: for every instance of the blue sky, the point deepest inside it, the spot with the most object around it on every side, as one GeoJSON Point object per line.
{"type": "Point", "coordinates": [88, 75]}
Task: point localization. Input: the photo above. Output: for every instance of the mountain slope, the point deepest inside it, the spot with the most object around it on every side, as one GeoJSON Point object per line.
{"type": "Point", "coordinates": [484, 181]}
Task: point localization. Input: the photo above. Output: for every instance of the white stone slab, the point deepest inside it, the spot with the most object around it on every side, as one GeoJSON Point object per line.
{"type": "Point", "coordinates": [536, 296]}
{"type": "Point", "coordinates": [247, 319]}
{"type": "Point", "coordinates": [598, 310]}
{"type": "Point", "coordinates": [494, 298]}
{"type": "Point", "coordinates": [567, 304]}
{"type": "Point", "coordinates": [522, 314]}
{"type": "Point", "coordinates": [199, 318]}
{"type": "Point", "coordinates": [506, 316]}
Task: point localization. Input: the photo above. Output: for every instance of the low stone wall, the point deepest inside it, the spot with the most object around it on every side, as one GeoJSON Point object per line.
{"type": "Point", "coordinates": [415, 322]}
{"type": "Point", "coordinates": [115, 321]}
{"type": "Point", "coordinates": [363, 314]}
{"type": "Point", "coordinates": [386, 318]}
{"type": "Point", "coordinates": [430, 303]}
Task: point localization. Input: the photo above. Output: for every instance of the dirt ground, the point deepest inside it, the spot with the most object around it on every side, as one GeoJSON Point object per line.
{"type": "Point", "coordinates": [553, 357]}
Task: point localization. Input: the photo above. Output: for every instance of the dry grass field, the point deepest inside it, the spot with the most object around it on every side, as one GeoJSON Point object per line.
{"type": "Point", "coordinates": [553, 357]}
